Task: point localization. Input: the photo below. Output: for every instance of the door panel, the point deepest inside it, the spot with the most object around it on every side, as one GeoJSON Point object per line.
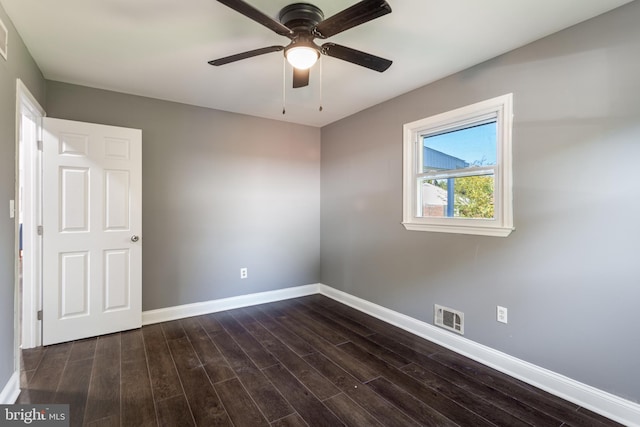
{"type": "Point", "coordinates": [116, 203]}
{"type": "Point", "coordinates": [74, 284]}
{"type": "Point", "coordinates": [116, 280]}
{"type": "Point", "coordinates": [73, 199]}
{"type": "Point", "coordinates": [92, 190]}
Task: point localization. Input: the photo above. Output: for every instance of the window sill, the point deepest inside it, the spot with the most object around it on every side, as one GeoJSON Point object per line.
{"type": "Point", "coordinates": [475, 230]}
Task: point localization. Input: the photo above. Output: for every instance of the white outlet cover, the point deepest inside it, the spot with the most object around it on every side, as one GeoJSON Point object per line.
{"type": "Point", "coordinates": [501, 314]}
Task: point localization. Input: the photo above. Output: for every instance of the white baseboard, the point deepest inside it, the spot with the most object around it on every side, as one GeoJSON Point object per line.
{"type": "Point", "coordinates": [11, 390]}
{"type": "Point", "coordinates": [607, 404]}
{"type": "Point", "coordinates": [213, 306]}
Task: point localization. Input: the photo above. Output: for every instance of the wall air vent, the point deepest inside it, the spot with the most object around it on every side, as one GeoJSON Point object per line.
{"type": "Point", "coordinates": [4, 40]}
{"type": "Point", "coordinates": [447, 318]}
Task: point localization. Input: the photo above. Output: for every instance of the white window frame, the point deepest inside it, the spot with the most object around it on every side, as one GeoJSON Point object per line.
{"type": "Point", "coordinates": [500, 109]}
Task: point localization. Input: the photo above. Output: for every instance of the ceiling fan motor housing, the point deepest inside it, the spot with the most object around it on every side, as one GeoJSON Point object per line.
{"type": "Point", "coordinates": [300, 17]}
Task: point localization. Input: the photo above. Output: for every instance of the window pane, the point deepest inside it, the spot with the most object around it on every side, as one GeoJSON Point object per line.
{"type": "Point", "coordinates": [459, 149]}
{"type": "Point", "coordinates": [462, 197]}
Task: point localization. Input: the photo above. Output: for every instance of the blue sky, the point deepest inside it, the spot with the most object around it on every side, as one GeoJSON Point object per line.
{"type": "Point", "coordinates": [470, 144]}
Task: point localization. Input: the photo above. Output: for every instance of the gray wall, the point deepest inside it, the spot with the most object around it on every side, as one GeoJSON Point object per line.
{"type": "Point", "coordinates": [221, 191]}
{"type": "Point", "coordinates": [19, 65]}
{"type": "Point", "coordinates": [570, 273]}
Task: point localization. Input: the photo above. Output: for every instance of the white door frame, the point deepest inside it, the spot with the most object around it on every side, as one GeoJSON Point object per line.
{"type": "Point", "coordinates": [28, 203]}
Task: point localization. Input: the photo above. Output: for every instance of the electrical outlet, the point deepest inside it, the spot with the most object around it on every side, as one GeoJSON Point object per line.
{"type": "Point", "coordinates": [501, 314]}
{"type": "Point", "coordinates": [244, 273]}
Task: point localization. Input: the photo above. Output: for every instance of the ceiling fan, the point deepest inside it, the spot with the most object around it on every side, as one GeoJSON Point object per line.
{"type": "Point", "coordinates": [304, 22]}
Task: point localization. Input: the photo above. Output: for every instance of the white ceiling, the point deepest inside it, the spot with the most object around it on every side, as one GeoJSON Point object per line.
{"type": "Point", "coordinates": [160, 48]}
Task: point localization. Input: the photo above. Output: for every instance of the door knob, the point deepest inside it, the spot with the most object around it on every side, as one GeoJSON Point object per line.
{"type": "Point", "coordinates": [135, 238]}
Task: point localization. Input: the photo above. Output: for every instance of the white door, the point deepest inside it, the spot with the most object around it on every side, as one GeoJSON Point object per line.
{"type": "Point", "coordinates": [92, 219]}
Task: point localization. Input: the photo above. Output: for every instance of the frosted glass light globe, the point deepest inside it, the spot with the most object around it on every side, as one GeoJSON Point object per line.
{"type": "Point", "coordinates": [302, 57]}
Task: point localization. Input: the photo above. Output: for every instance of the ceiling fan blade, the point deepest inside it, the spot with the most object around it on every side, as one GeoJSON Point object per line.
{"type": "Point", "coordinates": [245, 55]}
{"type": "Point", "coordinates": [256, 15]}
{"type": "Point", "coordinates": [300, 77]}
{"type": "Point", "coordinates": [356, 57]}
{"type": "Point", "coordinates": [359, 13]}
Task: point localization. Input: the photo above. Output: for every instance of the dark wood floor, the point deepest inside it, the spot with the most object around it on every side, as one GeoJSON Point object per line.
{"type": "Point", "coordinates": [306, 361]}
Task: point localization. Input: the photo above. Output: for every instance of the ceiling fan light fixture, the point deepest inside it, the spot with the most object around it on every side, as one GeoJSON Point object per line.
{"type": "Point", "coordinates": [302, 57]}
{"type": "Point", "coordinates": [302, 23]}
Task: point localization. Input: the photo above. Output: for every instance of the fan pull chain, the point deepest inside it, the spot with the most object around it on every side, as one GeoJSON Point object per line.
{"type": "Point", "coordinates": [284, 84]}
{"type": "Point", "coordinates": [320, 60]}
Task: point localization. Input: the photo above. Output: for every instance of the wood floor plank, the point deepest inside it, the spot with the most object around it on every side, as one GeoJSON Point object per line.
{"type": "Point", "coordinates": [313, 305]}
{"type": "Point", "coordinates": [360, 340]}
{"type": "Point", "coordinates": [412, 341]}
{"type": "Point", "coordinates": [30, 358]}
{"type": "Point", "coordinates": [174, 412]}
{"type": "Point", "coordinates": [164, 377]}
{"type": "Point", "coordinates": [289, 308]}
{"type": "Point", "coordinates": [601, 419]}
{"type": "Point", "coordinates": [103, 398]}
{"type": "Point", "coordinates": [382, 327]}
{"type": "Point", "coordinates": [138, 408]}
{"type": "Point", "coordinates": [214, 363]}
{"type": "Point", "coordinates": [293, 341]}
{"type": "Point", "coordinates": [462, 395]}
{"type": "Point", "coordinates": [172, 330]}
{"type": "Point", "coordinates": [386, 329]}
{"type": "Point", "coordinates": [44, 383]}
{"type": "Point", "coordinates": [239, 405]}
{"type": "Point", "coordinates": [350, 412]}
{"type": "Point", "coordinates": [83, 349]}
{"type": "Point", "coordinates": [370, 322]}
{"type": "Point", "coordinates": [293, 420]}
{"type": "Point", "coordinates": [360, 393]}
{"type": "Point", "coordinates": [132, 345]}
{"type": "Point", "coordinates": [112, 421]}
{"type": "Point", "coordinates": [542, 401]}
{"type": "Point", "coordinates": [312, 410]}
{"type": "Point", "coordinates": [394, 344]}
{"type": "Point", "coordinates": [470, 401]}
{"type": "Point", "coordinates": [346, 361]}
{"type": "Point", "coordinates": [479, 388]}
{"type": "Point", "coordinates": [316, 383]}
{"type": "Point", "coordinates": [266, 396]}
{"type": "Point", "coordinates": [247, 342]}
{"type": "Point", "coordinates": [73, 388]}
{"type": "Point", "coordinates": [415, 408]}
{"type": "Point", "coordinates": [424, 371]}
{"type": "Point", "coordinates": [25, 377]}
{"type": "Point", "coordinates": [203, 401]}
{"type": "Point", "coordinates": [427, 395]}
{"type": "Point", "coordinates": [184, 356]}
{"type": "Point", "coordinates": [210, 324]}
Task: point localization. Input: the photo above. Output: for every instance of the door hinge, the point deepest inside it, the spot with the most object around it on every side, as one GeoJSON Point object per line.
{"type": "Point", "coordinates": [40, 230]}
{"type": "Point", "coordinates": [39, 145]}
{"type": "Point", "coordinates": [39, 314]}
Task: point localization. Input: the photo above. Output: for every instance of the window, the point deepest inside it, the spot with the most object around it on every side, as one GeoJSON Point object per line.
{"type": "Point", "coordinates": [457, 170]}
